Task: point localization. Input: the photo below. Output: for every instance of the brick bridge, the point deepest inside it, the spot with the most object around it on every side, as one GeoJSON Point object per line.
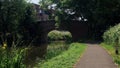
{"type": "Point", "coordinates": [78, 29]}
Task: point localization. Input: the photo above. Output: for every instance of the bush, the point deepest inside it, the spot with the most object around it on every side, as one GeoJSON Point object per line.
{"type": "Point", "coordinates": [112, 34]}
{"type": "Point", "coordinates": [59, 35]}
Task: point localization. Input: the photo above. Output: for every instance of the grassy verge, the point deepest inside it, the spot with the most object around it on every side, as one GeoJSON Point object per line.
{"type": "Point", "coordinates": [66, 59]}
{"type": "Point", "coordinates": [111, 51]}
{"type": "Point", "coordinates": [56, 48]}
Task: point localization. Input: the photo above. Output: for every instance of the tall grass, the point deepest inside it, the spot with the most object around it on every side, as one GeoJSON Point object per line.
{"type": "Point", "coordinates": [11, 57]}
{"type": "Point", "coordinates": [56, 48]}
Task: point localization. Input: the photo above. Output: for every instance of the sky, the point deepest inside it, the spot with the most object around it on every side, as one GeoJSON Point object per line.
{"type": "Point", "coordinates": [35, 1]}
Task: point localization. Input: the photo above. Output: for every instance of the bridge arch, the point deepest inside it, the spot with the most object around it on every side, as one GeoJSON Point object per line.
{"type": "Point", "coordinates": [44, 27]}
{"type": "Point", "coordinates": [78, 29]}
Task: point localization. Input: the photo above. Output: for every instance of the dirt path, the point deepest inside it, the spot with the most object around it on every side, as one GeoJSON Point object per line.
{"type": "Point", "coordinates": [95, 57]}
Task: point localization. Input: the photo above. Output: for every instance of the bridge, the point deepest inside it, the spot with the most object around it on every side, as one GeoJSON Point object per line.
{"type": "Point", "coordinates": [78, 29]}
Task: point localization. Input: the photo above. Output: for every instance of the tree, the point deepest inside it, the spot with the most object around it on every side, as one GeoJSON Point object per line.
{"type": "Point", "coordinates": [45, 3]}
{"type": "Point", "coordinates": [11, 12]}
{"type": "Point", "coordinates": [14, 14]}
{"type": "Point", "coordinates": [100, 14]}
{"type": "Point", "coordinates": [47, 7]}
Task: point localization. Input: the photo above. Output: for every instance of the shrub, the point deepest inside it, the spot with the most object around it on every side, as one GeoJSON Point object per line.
{"type": "Point", "coordinates": [59, 35]}
{"type": "Point", "coordinates": [112, 34]}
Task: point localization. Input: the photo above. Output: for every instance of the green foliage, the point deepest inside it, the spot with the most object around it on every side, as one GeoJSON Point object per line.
{"type": "Point", "coordinates": [96, 11]}
{"type": "Point", "coordinates": [27, 25]}
{"type": "Point", "coordinates": [11, 13]}
{"type": "Point", "coordinates": [46, 6]}
{"type": "Point", "coordinates": [45, 3]}
{"type": "Point", "coordinates": [112, 34]}
{"type": "Point", "coordinates": [111, 51]}
{"type": "Point", "coordinates": [66, 59]}
{"type": "Point", "coordinates": [100, 14]}
{"type": "Point", "coordinates": [11, 57]}
{"type": "Point", "coordinates": [59, 35]}
{"type": "Point", "coordinates": [56, 48]}
{"type": "Point", "coordinates": [16, 20]}
{"type": "Point", "coordinates": [112, 42]}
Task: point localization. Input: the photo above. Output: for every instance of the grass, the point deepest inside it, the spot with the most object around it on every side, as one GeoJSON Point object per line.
{"type": "Point", "coordinates": [111, 51]}
{"type": "Point", "coordinates": [11, 57]}
{"type": "Point", "coordinates": [56, 48]}
{"type": "Point", "coordinates": [66, 59]}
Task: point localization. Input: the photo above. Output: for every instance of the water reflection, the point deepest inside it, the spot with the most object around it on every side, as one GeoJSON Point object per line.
{"type": "Point", "coordinates": [55, 48]}
{"type": "Point", "coordinates": [35, 53]}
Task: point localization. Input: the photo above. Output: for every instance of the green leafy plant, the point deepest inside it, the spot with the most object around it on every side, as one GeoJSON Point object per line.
{"type": "Point", "coordinates": [11, 57]}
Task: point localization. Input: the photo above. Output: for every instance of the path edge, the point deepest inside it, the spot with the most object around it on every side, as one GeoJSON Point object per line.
{"type": "Point", "coordinates": [109, 55]}
{"type": "Point", "coordinates": [74, 66]}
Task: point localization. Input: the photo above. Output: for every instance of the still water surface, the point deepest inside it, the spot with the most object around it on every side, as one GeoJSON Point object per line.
{"type": "Point", "coordinates": [34, 54]}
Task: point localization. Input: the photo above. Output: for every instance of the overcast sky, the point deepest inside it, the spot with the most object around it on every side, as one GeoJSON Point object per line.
{"type": "Point", "coordinates": [35, 1]}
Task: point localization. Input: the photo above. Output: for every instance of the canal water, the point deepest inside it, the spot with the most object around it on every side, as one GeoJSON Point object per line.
{"type": "Point", "coordinates": [33, 55]}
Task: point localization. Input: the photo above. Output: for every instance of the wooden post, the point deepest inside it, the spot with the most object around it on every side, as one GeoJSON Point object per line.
{"type": "Point", "coordinates": [117, 50]}
{"type": "Point", "coordinates": [117, 46]}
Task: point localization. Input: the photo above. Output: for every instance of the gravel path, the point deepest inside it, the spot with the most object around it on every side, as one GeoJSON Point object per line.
{"type": "Point", "coordinates": [95, 57]}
